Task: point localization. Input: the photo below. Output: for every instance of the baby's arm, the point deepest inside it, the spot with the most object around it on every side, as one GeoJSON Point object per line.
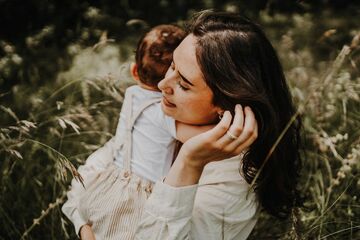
{"type": "Point", "coordinates": [95, 163]}
{"type": "Point", "coordinates": [187, 131]}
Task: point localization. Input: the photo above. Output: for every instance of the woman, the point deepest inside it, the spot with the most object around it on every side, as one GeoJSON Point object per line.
{"type": "Point", "coordinates": [225, 60]}
{"type": "Point", "coordinates": [224, 63]}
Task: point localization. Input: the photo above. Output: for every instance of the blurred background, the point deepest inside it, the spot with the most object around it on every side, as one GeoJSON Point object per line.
{"type": "Point", "coordinates": [64, 67]}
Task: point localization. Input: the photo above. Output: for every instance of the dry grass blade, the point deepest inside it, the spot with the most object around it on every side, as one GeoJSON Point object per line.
{"type": "Point", "coordinates": [10, 112]}
{"type": "Point", "coordinates": [64, 160]}
{"type": "Point", "coordinates": [333, 70]}
{"type": "Point", "coordinates": [340, 231]}
{"type": "Point", "coordinates": [44, 213]}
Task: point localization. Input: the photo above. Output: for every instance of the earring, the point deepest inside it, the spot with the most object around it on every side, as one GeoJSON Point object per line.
{"type": "Point", "coordinates": [220, 115]}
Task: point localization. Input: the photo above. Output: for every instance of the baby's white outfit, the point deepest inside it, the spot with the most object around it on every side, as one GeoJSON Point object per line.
{"type": "Point", "coordinates": [152, 137]}
{"type": "Point", "coordinates": [115, 192]}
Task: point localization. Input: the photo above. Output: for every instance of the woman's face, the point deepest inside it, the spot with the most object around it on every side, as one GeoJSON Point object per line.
{"type": "Point", "coordinates": [186, 97]}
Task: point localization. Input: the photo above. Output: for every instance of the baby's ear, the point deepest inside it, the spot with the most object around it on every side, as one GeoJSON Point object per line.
{"type": "Point", "coordinates": [134, 71]}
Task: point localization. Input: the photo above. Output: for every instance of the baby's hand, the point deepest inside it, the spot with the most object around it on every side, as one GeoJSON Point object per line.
{"type": "Point", "coordinates": [86, 233]}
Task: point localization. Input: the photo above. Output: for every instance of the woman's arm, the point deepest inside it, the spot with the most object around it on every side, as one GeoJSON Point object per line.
{"type": "Point", "coordinates": [169, 212]}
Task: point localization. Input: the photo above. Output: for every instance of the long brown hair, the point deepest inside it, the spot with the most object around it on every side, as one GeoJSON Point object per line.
{"type": "Point", "coordinates": [240, 65]}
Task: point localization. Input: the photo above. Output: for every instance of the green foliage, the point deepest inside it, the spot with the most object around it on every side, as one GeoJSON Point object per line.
{"type": "Point", "coordinates": [64, 103]}
{"type": "Point", "coordinates": [327, 94]}
{"type": "Point", "coordinates": [68, 119]}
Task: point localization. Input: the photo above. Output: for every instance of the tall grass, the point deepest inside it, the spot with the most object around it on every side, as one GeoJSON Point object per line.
{"type": "Point", "coordinates": [66, 121]}
{"type": "Point", "coordinates": [327, 95]}
{"type": "Point", "coordinates": [49, 127]}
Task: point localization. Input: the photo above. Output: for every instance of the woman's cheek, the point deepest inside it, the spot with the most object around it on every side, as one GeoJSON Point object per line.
{"type": "Point", "coordinates": [185, 102]}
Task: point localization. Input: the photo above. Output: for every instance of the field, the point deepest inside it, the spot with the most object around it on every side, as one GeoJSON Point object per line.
{"type": "Point", "coordinates": [61, 93]}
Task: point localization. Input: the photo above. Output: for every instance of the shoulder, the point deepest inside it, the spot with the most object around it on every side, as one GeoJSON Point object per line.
{"type": "Point", "coordinates": [227, 170]}
{"type": "Point", "coordinates": [155, 113]}
{"type": "Point", "coordinates": [143, 93]}
{"type": "Point", "coordinates": [222, 188]}
{"type": "Point", "coordinates": [132, 89]}
{"type": "Point", "coordinates": [157, 117]}
{"type": "Point", "coordinates": [226, 207]}
{"type": "Point", "coordinates": [140, 96]}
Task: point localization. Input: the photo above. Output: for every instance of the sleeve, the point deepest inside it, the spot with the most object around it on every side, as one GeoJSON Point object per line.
{"type": "Point", "coordinates": [167, 213]}
{"type": "Point", "coordinates": [192, 212]}
{"type": "Point", "coordinates": [94, 164]}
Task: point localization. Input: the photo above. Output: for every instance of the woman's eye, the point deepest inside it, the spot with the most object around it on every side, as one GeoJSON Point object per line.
{"type": "Point", "coordinates": [171, 69]}
{"type": "Point", "coordinates": [182, 87]}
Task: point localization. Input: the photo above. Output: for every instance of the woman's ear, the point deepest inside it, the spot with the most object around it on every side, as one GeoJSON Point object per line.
{"type": "Point", "coordinates": [220, 112]}
{"type": "Point", "coordinates": [134, 71]}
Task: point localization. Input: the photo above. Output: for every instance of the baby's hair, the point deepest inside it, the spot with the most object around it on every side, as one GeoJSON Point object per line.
{"type": "Point", "coordinates": [154, 52]}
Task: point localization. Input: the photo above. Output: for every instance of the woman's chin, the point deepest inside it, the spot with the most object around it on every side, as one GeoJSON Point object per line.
{"type": "Point", "coordinates": [166, 110]}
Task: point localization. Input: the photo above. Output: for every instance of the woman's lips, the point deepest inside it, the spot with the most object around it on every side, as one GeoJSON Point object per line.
{"type": "Point", "coordinates": [167, 103]}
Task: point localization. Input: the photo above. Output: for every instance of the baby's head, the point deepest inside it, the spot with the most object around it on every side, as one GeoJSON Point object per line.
{"type": "Point", "coordinates": [154, 54]}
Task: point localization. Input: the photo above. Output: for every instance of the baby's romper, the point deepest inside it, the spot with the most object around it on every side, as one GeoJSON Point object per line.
{"type": "Point", "coordinates": [113, 202]}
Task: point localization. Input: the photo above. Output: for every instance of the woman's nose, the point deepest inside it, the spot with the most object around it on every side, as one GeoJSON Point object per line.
{"type": "Point", "coordinates": [165, 86]}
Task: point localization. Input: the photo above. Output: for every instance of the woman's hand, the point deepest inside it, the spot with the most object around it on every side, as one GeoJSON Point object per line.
{"type": "Point", "coordinates": [225, 140]}
{"type": "Point", "coordinates": [86, 233]}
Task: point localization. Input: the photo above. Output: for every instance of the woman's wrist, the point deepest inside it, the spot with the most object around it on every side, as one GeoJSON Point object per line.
{"type": "Point", "coordinates": [184, 172]}
{"type": "Point", "coordinates": [190, 161]}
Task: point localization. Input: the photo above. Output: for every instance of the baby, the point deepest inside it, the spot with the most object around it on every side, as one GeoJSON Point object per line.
{"type": "Point", "coordinates": [140, 153]}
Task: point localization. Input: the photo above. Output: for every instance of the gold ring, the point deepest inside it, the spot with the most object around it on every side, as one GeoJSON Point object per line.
{"type": "Point", "coordinates": [231, 136]}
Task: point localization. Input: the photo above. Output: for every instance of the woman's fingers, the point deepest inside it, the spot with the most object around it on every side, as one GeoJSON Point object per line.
{"type": "Point", "coordinates": [216, 144]}
{"type": "Point", "coordinates": [226, 138]}
{"type": "Point", "coordinates": [242, 132]}
{"type": "Point", "coordinates": [250, 126]}
{"type": "Point", "coordinates": [238, 123]}
{"type": "Point", "coordinates": [220, 129]}
{"type": "Point", "coordinates": [250, 140]}
{"type": "Point", "coordinates": [235, 129]}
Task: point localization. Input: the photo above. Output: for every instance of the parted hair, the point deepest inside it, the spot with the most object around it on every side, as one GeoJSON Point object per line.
{"type": "Point", "coordinates": [154, 52]}
{"type": "Point", "coordinates": [240, 65]}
